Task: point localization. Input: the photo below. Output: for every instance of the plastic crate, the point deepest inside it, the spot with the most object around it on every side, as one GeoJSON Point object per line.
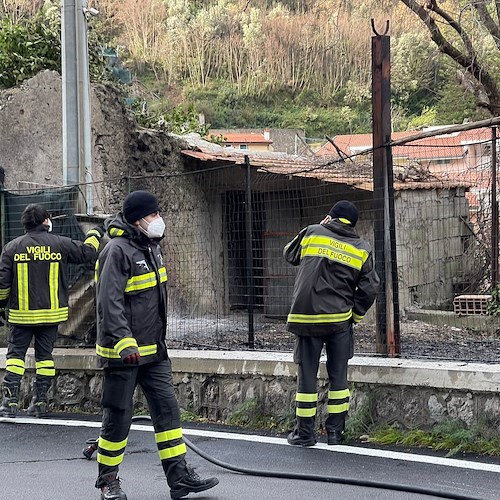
{"type": "Point", "coordinates": [471, 304]}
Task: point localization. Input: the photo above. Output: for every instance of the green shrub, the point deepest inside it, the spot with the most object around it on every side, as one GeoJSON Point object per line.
{"type": "Point", "coordinates": [33, 44]}
{"type": "Point", "coordinates": [28, 47]}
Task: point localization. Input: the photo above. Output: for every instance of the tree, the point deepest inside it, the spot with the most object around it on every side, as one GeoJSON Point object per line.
{"type": "Point", "coordinates": [415, 72]}
{"type": "Point", "coordinates": [469, 33]}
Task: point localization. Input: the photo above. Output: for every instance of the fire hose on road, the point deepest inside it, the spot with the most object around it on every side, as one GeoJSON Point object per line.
{"type": "Point", "coordinates": [93, 443]}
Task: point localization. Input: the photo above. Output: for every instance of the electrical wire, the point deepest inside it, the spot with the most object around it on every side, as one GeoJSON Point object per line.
{"type": "Point", "coordinates": [325, 479]}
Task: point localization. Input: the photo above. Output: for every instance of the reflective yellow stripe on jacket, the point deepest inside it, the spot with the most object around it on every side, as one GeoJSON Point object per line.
{"type": "Point", "coordinates": [54, 285]}
{"type": "Point", "coordinates": [357, 318]}
{"type": "Point", "coordinates": [145, 281]}
{"type": "Point", "coordinates": [114, 231]}
{"type": "Point", "coordinates": [22, 286]}
{"type": "Point", "coordinates": [49, 316]}
{"type": "Point", "coordinates": [144, 350]}
{"type": "Point", "coordinates": [125, 343]}
{"type": "Point", "coordinates": [330, 248]}
{"type": "Point", "coordinates": [319, 318]}
{"type": "Point", "coordinates": [26, 316]}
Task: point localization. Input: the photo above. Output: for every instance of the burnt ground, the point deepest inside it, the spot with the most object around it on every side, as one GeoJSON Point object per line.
{"type": "Point", "coordinates": [418, 339]}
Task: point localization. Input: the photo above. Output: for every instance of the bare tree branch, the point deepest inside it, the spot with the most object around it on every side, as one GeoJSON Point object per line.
{"type": "Point", "coordinates": [487, 20]}
{"type": "Point", "coordinates": [467, 60]}
{"type": "Point", "coordinates": [432, 6]}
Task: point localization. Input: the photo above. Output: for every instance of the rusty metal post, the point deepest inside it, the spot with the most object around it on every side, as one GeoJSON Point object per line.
{"type": "Point", "coordinates": [494, 210]}
{"type": "Point", "coordinates": [249, 253]}
{"type": "Point", "coordinates": [387, 306]}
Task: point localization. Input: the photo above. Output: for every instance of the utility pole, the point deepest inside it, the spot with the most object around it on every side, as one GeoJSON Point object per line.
{"type": "Point", "coordinates": [77, 150]}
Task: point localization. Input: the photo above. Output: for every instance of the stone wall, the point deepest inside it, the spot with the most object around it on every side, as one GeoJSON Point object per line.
{"type": "Point", "coordinates": [215, 384]}
{"type": "Point", "coordinates": [430, 245]}
{"type": "Point", "coordinates": [124, 158]}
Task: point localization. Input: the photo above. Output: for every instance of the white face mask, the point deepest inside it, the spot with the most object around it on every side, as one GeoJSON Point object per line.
{"type": "Point", "coordinates": [155, 229]}
{"type": "Point", "coordinates": [49, 225]}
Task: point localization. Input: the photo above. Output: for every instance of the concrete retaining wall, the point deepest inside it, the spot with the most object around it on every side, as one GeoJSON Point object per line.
{"type": "Point", "coordinates": [214, 384]}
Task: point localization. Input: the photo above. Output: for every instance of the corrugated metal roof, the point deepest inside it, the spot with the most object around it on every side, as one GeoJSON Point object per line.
{"type": "Point", "coordinates": [351, 174]}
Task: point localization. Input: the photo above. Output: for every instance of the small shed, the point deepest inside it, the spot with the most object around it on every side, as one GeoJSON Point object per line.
{"type": "Point", "coordinates": [289, 192]}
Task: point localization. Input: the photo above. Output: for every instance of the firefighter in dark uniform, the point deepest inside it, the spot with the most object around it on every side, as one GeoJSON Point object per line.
{"type": "Point", "coordinates": [33, 282]}
{"type": "Point", "coordinates": [336, 284]}
{"type": "Point", "coordinates": [131, 329]}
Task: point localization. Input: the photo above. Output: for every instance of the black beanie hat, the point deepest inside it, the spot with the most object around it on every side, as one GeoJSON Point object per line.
{"type": "Point", "coordinates": [344, 209]}
{"type": "Point", "coordinates": [138, 204]}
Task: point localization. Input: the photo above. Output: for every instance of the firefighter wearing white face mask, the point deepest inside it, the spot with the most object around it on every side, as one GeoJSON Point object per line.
{"type": "Point", "coordinates": [131, 328]}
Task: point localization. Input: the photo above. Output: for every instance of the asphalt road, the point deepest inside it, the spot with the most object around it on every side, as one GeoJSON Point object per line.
{"type": "Point", "coordinates": [43, 460]}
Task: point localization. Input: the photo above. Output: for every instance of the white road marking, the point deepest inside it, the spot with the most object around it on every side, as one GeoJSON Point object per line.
{"type": "Point", "coordinates": [353, 450]}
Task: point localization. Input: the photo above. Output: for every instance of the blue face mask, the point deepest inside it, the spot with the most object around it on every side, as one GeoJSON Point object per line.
{"type": "Point", "coordinates": [49, 225]}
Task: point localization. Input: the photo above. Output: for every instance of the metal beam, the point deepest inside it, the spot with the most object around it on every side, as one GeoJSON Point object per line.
{"type": "Point", "coordinates": [387, 307]}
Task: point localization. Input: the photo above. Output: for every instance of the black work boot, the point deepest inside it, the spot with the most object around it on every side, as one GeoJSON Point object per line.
{"type": "Point", "coordinates": [39, 403]}
{"type": "Point", "coordinates": [295, 439]}
{"type": "Point", "coordinates": [112, 490]}
{"type": "Point", "coordinates": [191, 483]}
{"type": "Point", "coordinates": [335, 437]}
{"type": "Point", "coordinates": [10, 400]}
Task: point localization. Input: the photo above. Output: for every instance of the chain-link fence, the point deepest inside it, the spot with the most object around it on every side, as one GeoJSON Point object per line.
{"type": "Point", "coordinates": [229, 215]}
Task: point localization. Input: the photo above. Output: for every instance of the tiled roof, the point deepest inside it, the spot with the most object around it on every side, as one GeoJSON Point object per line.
{"type": "Point", "coordinates": [446, 146]}
{"type": "Point", "coordinates": [352, 174]}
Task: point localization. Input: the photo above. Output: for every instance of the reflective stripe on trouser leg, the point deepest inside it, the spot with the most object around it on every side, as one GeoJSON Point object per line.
{"type": "Point", "coordinates": [19, 341]}
{"type": "Point", "coordinates": [338, 349]}
{"type": "Point", "coordinates": [305, 411]}
{"type": "Point", "coordinates": [306, 355]}
{"type": "Point", "coordinates": [110, 453]}
{"type": "Point", "coordinates": [157, 385]}
{"type": "Point", "coordinates": [15, 368]}
{"type": "Point", "coordinates": [112, 441]}
{"type": "Point", "coordinates": [170, 446]}
{"type": "Point", "coordinates": [338, 406]}
{"type": "Point", "coordinates": [306, 404]}
{"type": "Point", "coordinates": [45, 369]}
{"type": "Point", "coordinates": [118, 390]}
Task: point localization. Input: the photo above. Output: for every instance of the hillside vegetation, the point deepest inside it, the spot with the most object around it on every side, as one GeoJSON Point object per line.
{"type": "Point", "coordinates": [289, 63]}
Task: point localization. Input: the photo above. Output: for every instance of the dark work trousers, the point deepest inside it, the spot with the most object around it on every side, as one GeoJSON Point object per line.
{"type": "Point", "coordinates": [339, 349]}
{"type": "Point", "coordinates": [19, 341]}
{"type": "Point", "coordinates": [155, 380]}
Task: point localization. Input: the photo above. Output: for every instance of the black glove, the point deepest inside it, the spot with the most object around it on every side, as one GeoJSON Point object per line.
{"type": "Point", "coordinates": [93, 237]}
{"type": "Point", "coordinates": [97, 231]}
{"type": "Point", "coordinates": [3, 317]}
